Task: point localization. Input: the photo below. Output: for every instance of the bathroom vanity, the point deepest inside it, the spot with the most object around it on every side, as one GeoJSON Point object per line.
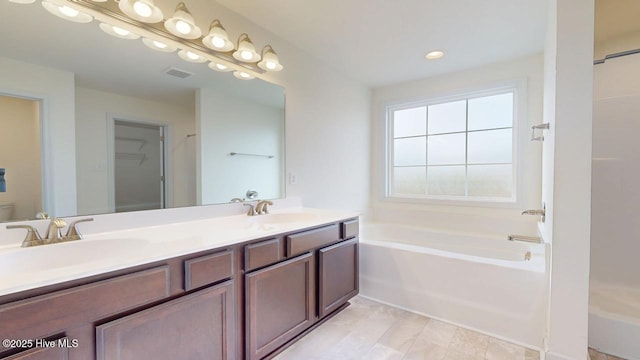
{"type": "Point", "coordinates": [246, 292]}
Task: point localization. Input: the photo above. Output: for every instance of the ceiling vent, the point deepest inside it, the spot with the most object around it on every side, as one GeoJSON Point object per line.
{"type": "Point", "coordinates": [178, 73]}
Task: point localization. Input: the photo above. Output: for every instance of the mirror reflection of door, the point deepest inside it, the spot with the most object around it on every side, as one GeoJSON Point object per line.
{"type": "Point", "coordinates": [20, 155]}
{"type": "Point", "coordinates": [139, 174]}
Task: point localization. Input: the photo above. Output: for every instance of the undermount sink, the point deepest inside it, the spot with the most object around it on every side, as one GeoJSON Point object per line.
{"type": "Point", "coordinates": [281, 218]}
{"type": "Point", "coordinates": [61, 255]}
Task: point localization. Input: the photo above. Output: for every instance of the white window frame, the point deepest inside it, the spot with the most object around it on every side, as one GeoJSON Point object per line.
{"type": "Point", "coordinates": [520, 121]}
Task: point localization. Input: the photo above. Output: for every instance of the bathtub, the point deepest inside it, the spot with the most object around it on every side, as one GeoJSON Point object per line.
{"type": "Point", "coordinates": [482, 283]}
{"type": "Point", "coordinates": [614, 320]}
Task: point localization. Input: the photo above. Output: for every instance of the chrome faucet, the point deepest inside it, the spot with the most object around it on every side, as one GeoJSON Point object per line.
{"type": "Point", "coordinates": [261, 207]}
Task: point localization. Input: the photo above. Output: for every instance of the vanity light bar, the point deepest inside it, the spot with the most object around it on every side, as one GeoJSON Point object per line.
{"type": "Point", "coordinates": [198, 49]}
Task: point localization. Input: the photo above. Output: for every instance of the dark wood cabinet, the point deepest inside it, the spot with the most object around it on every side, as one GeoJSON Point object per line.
{"type": "Point", "coordinates": [194, 326]}
{"type": "Point", "coordinates": [249, 300]}
{"type": "Point", "coordinates": [280, 304]}
{"type": "Point", "coordinates": [43, 353]}
{"type": "Point", "coordinates": [338, 275]}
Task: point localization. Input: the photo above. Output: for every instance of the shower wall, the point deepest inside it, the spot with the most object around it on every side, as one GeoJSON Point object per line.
{"type": "Point", "coordinates": [615, 229]}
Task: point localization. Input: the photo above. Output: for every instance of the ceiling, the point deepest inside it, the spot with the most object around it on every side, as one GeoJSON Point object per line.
{"type": "Point", "coordinates": [379, 42]}
{"type": "Point", "coordinates": [375, 42]}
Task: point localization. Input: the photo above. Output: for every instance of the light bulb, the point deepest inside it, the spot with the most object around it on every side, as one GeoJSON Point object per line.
{"type": "Point", "coordinates": [120, 31]}
{"type": "Point", "coordinates": [183, 27]}
{"type": "Point", "coordinates": [192, 56]}
{"type": "Point", "coordinates": [244, 75]}
{"type": "Point", "coordinates": [221, 67]}
{"type": "Point", "coordinates": [271, 65]}
{"type": "Point", "coordinates": [67, 11]}
{"type": "Point", "coordinates": [218, 42]}
{"type": "Point", "coordinates": [247, 55]}
{"type": "Point", "coordinates": [142, 9]}
{"type": "Point", "coordinates": [159, 44]}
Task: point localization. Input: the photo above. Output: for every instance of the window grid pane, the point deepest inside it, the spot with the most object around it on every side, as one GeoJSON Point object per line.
{"type": "Point", "coordinates": [449, 156]}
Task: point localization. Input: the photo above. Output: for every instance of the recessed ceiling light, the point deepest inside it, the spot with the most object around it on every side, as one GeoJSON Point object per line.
{"type": "Point", "coordinates": [437, 54]}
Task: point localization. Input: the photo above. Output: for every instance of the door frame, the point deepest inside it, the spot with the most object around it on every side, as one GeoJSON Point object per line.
{"type": "Point", "coordinates": [166, 156]}
{"type": "Point", "coordinates": [47, 186]}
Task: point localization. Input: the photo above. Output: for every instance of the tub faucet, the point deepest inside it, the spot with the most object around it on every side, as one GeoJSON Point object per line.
{"type": "Point", "coordinates": [537, 212]}
{"type": "Point", "coordinates": [532, 239]}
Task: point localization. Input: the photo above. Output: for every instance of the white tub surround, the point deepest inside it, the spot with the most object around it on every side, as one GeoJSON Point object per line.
{"type": "Point", "coordinates": [614, 320]}
{"type": "Point", "coordinates": [479, 282]}
{"type": "Point", "coordinates": [101, 252]}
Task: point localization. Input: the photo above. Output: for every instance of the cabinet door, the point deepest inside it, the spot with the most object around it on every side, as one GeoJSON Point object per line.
{"type": "Point", "coordinates": [280, 303]}
{"type": "Point", "coordinates": [195, 326]}
{"type": "Point", "coordinates": [338, 278]}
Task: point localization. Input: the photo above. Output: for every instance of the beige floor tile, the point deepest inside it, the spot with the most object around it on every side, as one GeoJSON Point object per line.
{"type": "Point", "coordinates": [457, 355]}
{"type": "Point", "coordinates": [373, 331]}
{"type": "Point", "coordinates": [531, 354]}
{"type": "Point", "coordinates": [404, 332]}
{"type": "Point", "coordinates": [438, 332]}
{"type": "Point", "coordinates": [502, 350]}
{"type": "Point", "coordinates": [469, 342]}
{"type": "Point", "coordinates": [425, 350]}
{"type": "Point", "coordinates": [595, 355]}
{"type": "Point", "coordinates": [381, 352]}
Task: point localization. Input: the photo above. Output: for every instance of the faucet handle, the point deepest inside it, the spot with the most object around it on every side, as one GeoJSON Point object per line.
{"type": "Point", "coordinates": [72, 231]}
{"type": "Point", "coordinates": [252, 210]}
{"type": "Point", "coordinates": [33, 237]}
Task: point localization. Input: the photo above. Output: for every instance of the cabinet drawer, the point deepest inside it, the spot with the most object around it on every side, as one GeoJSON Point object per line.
{"type": "Point", "coordinates": [350, 229]}
{"type": "Point", "coordinates": [262, 254]}
{"type": "Point", "coordinates": [47, 314]}
{"type": "Point", "coordinates": [308, 240]}
{"type": "Point", "coordinates": [205, 270]}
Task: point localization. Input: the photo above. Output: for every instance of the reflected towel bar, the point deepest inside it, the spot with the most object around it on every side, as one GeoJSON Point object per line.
{"type": "Point", "coordinates": [245, 154]}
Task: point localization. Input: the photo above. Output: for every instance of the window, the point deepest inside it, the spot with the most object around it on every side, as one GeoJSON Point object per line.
{"type": "Point", "coordinates": [459, 149]}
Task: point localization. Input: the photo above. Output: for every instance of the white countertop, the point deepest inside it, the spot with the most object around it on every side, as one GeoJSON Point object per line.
{"type": "Point", "coordinates": [28, 268]}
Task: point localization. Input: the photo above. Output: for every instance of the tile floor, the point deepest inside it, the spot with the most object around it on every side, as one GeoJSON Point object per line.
{"type": "Point", "coordinates": [594, 355]}
{"type": "Point", "coordinates": [373, 331]}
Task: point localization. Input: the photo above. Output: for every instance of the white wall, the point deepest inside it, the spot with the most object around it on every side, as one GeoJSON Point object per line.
{"type": "Point", "coordinates": [55, 88]}
{"type": "Point", "coordinates": [495, 220]}
{"type": "Point", "coordinates": [567, 173]}
{"type": "Point", "coordinates": [20, 155]}
{"type": "Point", "coordinates": [327, 115]}
{"type": "Point", "coordinates": [226, 124]}
{"type": "Point", "coordinates": [616, 166]}
{"type": "Point", "coordinates": [93, 109]}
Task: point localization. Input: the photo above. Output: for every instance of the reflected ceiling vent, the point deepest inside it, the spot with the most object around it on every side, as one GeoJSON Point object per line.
{"type": "Point", "coordinates": [177, 73]}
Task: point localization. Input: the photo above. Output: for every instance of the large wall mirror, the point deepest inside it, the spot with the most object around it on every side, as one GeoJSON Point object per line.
{"type": "Point", "coordinates": [94, 124]}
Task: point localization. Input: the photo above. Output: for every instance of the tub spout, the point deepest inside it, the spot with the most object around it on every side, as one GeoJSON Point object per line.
{"type": "Point", "coordinates": [532, 239]}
